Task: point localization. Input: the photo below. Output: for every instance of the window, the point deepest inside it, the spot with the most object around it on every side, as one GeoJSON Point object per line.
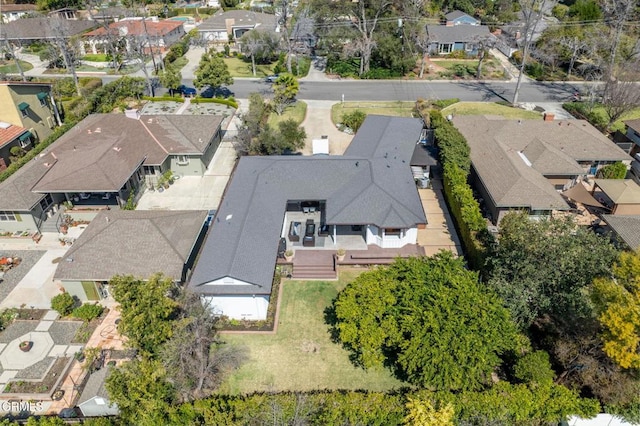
{"type": "Point", "coordinates": [446, 48]}
{"type": "Point", "coordinates": [393, 232]}
{"type": "Point", "coordinates": [7, 217]}
{"type": "Point", "coordinates": [25, 139]}
{"type": "Point", "coordinates": [42, 97]}
{"type": "Point", "coordinates": [46, 202]}
{"type": "Point", "coordinates": [182, 160]}
{"type": "Point", "coordinates": [24, 109]}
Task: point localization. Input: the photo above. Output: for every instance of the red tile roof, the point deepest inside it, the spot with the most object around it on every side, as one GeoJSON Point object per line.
{"type": "Point", "coordinates": [135, 27]}
{"type": "Point", "coordinates": [10, 134]}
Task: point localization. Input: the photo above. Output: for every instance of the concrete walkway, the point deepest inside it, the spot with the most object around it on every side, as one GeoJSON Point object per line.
{"type": "Point", "coordinates": [512, 70]}
{"type": "Point", "coordinates": [318, 123]}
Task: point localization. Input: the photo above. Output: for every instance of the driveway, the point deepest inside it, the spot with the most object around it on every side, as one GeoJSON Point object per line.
{"type": "Point", "coordinates": [318, 123]}
{"type": "Point", "coordinates": [193, 55]}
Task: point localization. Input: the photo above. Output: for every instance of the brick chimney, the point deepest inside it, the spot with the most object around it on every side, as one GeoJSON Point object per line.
{"type": "Point", "coordinates": [548, 116]}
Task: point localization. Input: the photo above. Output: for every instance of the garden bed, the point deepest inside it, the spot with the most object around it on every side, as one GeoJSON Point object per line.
{"type": "Point", "coordinates": [56, 371]}
{"type": "Point", "coordinates": [86, 329]}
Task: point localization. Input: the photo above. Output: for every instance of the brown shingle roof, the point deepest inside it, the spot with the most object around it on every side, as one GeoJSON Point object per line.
{"type": "Point", "coordinates": [136, 27]}
{"type": "Point", "coordinates": [634, 124]}
{"type": "Point", "coordinates": [102, 152]}
{"type": "Point", "coordinates": [15, 192]}
{"type": "Point", "coordinates": [40, 28]}
{"type": "Point", "coordinates": [499, 148]}
{"type": "Point", "coordinates": [139, 243]}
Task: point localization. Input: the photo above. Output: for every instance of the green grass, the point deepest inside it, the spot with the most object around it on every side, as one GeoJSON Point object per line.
{"type": "Point", "coordinates": [449, 63]}
{"type": "Point", "coordinates": [297, 112]}
{"type": "Point", "coordinates": [618, 124]}
{"type": "Point", "coordinates": [179, 63]}
{"type": "Point", "coordinates": [240, 68]}
{"type": "Point", "coordinates": [286, 360]}
{"type": "Point", "coordinates": [489, 108]}
{"type": "Point", "coordinates": [9, 67]}
{"type": "Point", "coordinates": [394, 108]}
{"type": "Point", "coordinates": [98, 57]}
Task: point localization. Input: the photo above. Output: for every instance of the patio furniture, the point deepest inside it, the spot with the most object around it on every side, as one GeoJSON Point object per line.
{"type": "Point", "coordinates": [324, 231]}
{"type": "Point", "coordinates": [294, 231]}
{"type": "Point", "coordinates": [282, 248]}
{"type": "Point", "coordinates": [84, 196]}
{"type": "Point", "coordinates": [309, 239]}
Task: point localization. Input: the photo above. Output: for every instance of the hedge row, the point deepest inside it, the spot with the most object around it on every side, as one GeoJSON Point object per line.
{"type": "Point", "coordinates": [456, 161]}
{"type": "Point", "coordinates": [163, 98]}
{"type": "Point", "coordinates": [584, 111]}
{"type": "Point", "coordinates": [229, 101]}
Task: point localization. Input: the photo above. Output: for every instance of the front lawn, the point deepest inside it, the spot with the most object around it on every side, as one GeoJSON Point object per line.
{"type": "Point", "coordinates": [296, 112]}
{"type": "Point", "coordinates": [98, 57]}
{"type": "Point", "coordinates": [393, 108]}
{"type": "Point", "coordinates": [489, 108]}
{"type": "Point", "coordinates": [9, 67]}
{"type": "Point", "coordinates": [179, 63]}
{"type": "Point", "coordinates": [240, 68]}
{"type": "Point", "coordinates": [301, 355]}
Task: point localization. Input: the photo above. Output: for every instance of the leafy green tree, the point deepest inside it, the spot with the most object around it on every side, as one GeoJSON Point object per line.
{"type": "Point", "coordinates": [613, 171]}
{"type": "Point", "coordinates": [534, 367]}
{"type": "Point", "coordinates": [147, 311]}
{"type": "Point", "coordinates": [429, 318]}
{"type": "Point", "coordinates": [285, 89]}
{"type": "Point", "coordinates": [170, 78]}
{"type": "Point", "coordinates": [88, 311]}
{"type": "Point", "coordinates": [63, 303]}
{"type": "Point", "coordinates": [260, 46]}
{"type": "Point", "coordinates": [585, 10]}
{"type": "Point", "coordinates": [141, 391]}
{"type": "Point", "coordinates": [212, 71]}
{"type": "Point", "coordinates": [617, 302]}
{"type": "Point", "coordinates": [292, 135]}
{"type": "Point", "coordinates": [423, 413]}
{"type": "Point", "coordinates": [542, 268]}
{"type": "Point", "coordinates": [354, 119]}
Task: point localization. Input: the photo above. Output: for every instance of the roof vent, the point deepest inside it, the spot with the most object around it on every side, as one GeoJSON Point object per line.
{"type": "Point", "coordinates": [132, 113]}
{"type": "Point", "coordinates": [89, 131]}
{"type": "Point", "coordinates": [149, 121]}
{"type": "Point", "coordinates": [69, 259]}
{"type": "Point", "coordinates": [117, 148]}
{"type": "Point", "coordinates": [98, 130]}
{"type": "Point", "coordinates": [4, 125]}
{"type": "Point", "coordinates": [228, 218]}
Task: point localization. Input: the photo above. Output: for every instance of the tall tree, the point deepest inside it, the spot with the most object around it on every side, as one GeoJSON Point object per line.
{"type": "Point", "coordinates": [60, 32]}
{"type": "Point", "coordinates": [170, 78]}
{"type": "Point", "coordinates": [532, 13]}
{"type": "Point", "coordinates": [429, 319]}
{"type": "Point", "coordinates": [259, 45]}
{"type": "Point", "coordinates": [621, 94]}
{"type": "Point", "coordinates": [542, 268]}
{"type": "Point", "coordinates": [212, 71]}
{"type": "Point", "coordinates": [617, 302]}
{"type": "Point", "coordinates": [195, 358]}
{"type": "Point", "coordinates": [146, 311]}
{"type": "Point", "coordinates": [285, 89]}
{"type": "Point", "coordinates": [617, 13]}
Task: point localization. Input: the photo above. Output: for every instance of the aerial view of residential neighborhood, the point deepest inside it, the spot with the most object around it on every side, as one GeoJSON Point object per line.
{"type": "Point", "coordinates": [320, 212]}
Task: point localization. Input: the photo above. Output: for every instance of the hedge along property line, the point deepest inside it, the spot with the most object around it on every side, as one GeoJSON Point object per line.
{"type": "Point", "coordinates": [163, 99]}
{"type": "Point", "coordinates": [456, 160]}
{"type": "Point", "coordinates": [229, 102]}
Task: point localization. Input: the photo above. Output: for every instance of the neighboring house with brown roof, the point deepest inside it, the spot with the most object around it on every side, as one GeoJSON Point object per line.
{"type": "Point", "coordinates": [224, 26]}
{"type": "Point", "coordinates": [523, 164]}
{"type": "Point", "coordinates": [29, 105]}
{"type": "Point", "coordinates": [111, 156]}
{"type": "Point", "coordinates": [13, 12]}
{"type": "Point", "coordinates": [161, 34]}
{"type": "Point", "coordinates": [29, 30]}
{"type": "Point", "coordinates": [138, 243]}
{"type": "Point", "coordinates": [622, 196]}
{"type": "Point", "coordinates": [12, 136]}
{"type": "Point", "coordinates": [627, 228]}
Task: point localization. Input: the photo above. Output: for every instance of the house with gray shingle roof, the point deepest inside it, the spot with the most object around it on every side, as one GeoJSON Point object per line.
{"type": "Point", "coordinates": [458, 17]}
{"type": "Point", "coordinates": [524, 164]}
{"type": "Point", "coordinates": [368, 195]}
{"type": "Point", "coordinates": [461, 32]}
{"type": "Point", "coordinates": [107, 157]}
{"type": "Point", "coordinates": [94, 399]}
{"type": "Point", "coordinates": [224, 26]}
{"type": "Point", "coordinates": [40, 29]}
{"type": "Point", "coordinates": [627, 228]}
{"type": "Point", "coordinates": [139, 243]}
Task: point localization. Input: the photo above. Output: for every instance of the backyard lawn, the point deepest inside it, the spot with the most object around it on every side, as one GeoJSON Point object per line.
{"type": "Point", "coordinates": [394, 108]}
{"type": "Point", "coordinates": [9, 67]}
{"type": "Point", "coordinates": [240, 68]}
{"type": "Point", "coordinates": [296, 112]}
{"type": "Point", "coordinates": [489, 108]}
{"type": "Point", "coordinates": [301, 355]}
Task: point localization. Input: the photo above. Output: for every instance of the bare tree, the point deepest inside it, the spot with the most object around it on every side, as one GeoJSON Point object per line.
{"type": "Point", "coordinates": [484, 44]}
{"type": "Point", "coordinates": [60, 34]}
{"type": "Point", "coordinates": [621, 95]}
{"type": "Point", "coordinates": [285, 10]}
{"type": "Point", "coordinates": [195, 358]}
{"type": "Point", "coordinates": [112, 36]}
{"type": "Point", "coordinates": [423, 43]}
{"type": "Point", "coordinates": [366, 15]}
{"type": "Point", "coordinates": [617, 13]}
{"type": "Point", "coordinates": [532, 12]}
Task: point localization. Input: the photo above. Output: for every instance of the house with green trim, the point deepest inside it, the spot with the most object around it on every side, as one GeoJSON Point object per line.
{"type": "Point", "coordinates": [29, 105]}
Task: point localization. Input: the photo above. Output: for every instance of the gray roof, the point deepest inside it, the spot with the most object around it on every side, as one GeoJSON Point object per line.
{"type": "Point", "coordinates": [95, 386]}
{"type": "Point", "coordinates": [627, 228]}
{"type": "Point", "coordinates": [41, 28]}
{"type": "Point", "coordinates": [456, 33]}
{"type": "Point", "coordinates": [499, 148]}
{"type": "Point", "coordinates": [238, 18]}
{"type": "Point", "coordinates": [452, 16]}
{"type": "Point", "coordinates": [358, 189]}
{"type": "Point", "coordinates": [102, 151]}
{"type": "Point", "coordinates": [15, 192]}
{"type": "Point", "coordinates": [139, 243]}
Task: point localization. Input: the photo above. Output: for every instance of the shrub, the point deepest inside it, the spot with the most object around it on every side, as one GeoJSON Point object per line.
{"type": "Point", "coordinates": [534, 367]}
{"type": "Point", "coordinates": [87, 312]}
{"type": "Point", "coordinates": [354, 120]}
{"type": "Point", "coordinates": [586, 111]}
{"type": "Point", "coordinates": [613, 171]}
{"type": "Point", "coordinates": [63, 303]}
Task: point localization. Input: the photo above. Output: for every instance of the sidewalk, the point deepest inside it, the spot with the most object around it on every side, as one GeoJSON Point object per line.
{"type": "Point", "coordinates": [511, 70]}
